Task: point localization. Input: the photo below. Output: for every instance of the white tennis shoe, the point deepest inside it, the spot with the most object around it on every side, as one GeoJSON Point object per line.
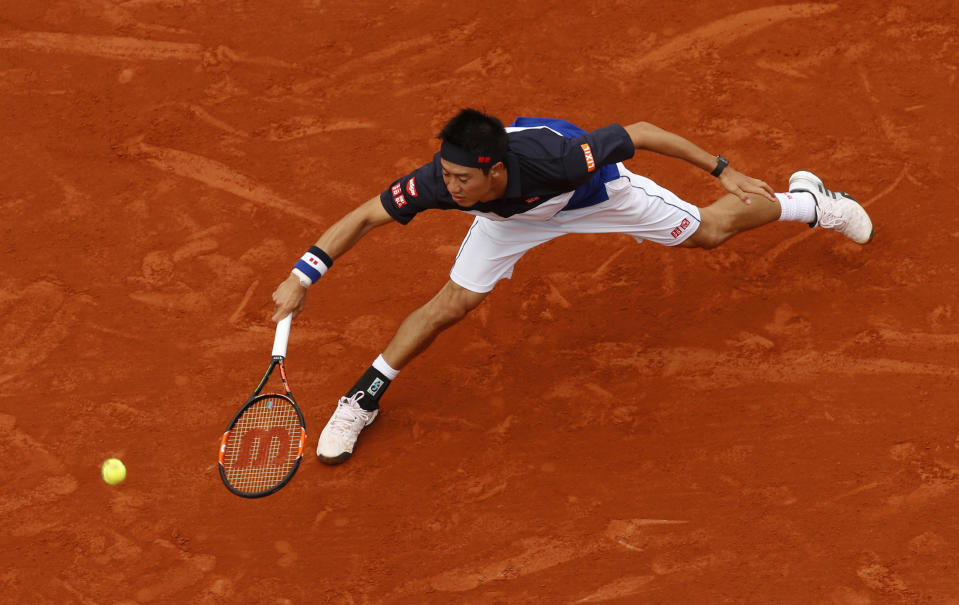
{"type": "Point", "coordinates": [339, 435]}
{"type": "Point", "coordinates": [834, 209]}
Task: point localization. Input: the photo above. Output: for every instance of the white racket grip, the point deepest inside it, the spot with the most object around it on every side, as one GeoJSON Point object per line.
{"type": "Point", "coordinates": [282, 337]}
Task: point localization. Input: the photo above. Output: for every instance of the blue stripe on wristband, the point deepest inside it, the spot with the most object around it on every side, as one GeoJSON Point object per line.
{"type": "Point", "coordinates": [308, 270]}
{"type": "Point", "coordinates": [311, 266]}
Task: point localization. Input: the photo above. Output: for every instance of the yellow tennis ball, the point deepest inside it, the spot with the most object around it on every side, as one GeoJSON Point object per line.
{"type": "Point", "coordinates": [113, 471]}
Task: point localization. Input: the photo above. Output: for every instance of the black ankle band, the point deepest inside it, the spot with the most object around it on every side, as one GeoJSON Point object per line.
{"type": "Point", "coordinates": [373, 384]}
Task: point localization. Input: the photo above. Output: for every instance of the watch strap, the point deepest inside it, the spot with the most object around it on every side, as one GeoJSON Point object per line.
{"type": "Point", "coordinates": [721, 164]}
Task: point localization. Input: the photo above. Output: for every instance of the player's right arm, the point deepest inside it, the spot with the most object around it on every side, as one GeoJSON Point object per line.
{"type": "Point", "coordinates": [290, 295]}
{"type": "Point", "coordinates": [653, 138]}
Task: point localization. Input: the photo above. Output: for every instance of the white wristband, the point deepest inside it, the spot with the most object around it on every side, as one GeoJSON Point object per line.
{"type": "Point", "coordinates": [311, 266]}
{"type": "Point", "coordinates": [304, 280]}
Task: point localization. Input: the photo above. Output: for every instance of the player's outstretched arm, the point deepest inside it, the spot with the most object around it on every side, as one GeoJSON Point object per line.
{"type": "Point", "coordinates": [648, 137]}
{"type": "Point", "coordinates": [290, 295]}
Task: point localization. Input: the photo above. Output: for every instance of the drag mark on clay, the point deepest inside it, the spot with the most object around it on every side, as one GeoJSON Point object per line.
{"type": "Point", "coordinates": [204, 115]}
{"type": "Point", "coordinates": [724, 32]}
{"type": "Point", "coordinates": [35, 325]}
{"type": "Point", "coordinates": [359, 65]}
{"type": "Point", "coordinates": [50, 490]}
{"type": "Point", "coordinates": [538, 554]}
{"type": "Point", "coordinates": [799, 69]}
{"type": "Point", "coordinates": [37, 478]}
{"type": "Point", "coordinates": [235, 318]}
{"type": "Point", "coordinates": [600, 271]}
{"type": "Point", "coordinates": [877, 576]}
{"type": "Point", "coordinates": [621, 531]}
{"type": "Point", "coordinates": [918, 338]}
{"type": "Point", "coordinates": [105, 47]}
{"type": "Point", "coordinates": [618, 589]}
{"type": "Point", "coordinates": [214, 174]}
{"type": "Point", "coordinates": [857, 490]}
{"type": "Point", "coordinates": [301, 127]}
{"type": "Point", "coordinates": [128, 49]}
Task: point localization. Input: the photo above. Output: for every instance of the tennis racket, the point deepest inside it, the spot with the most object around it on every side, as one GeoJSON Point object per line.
{"type": "Point", "coordinates": [263, 446]}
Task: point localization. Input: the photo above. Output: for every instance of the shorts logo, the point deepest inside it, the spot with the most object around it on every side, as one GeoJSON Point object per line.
{"type": "Point", "coordinates": [679, 230]}
{"type": "Point", "coordinates": [530, 200]}
{"type": "Point", "coordinates": [590, 162]}
{"type": "Point", "coordinates": [398, 198]}
{"type": "Point", "coordinates": [375, 387]}
{"type": "Point", "coordinates": [411, 186]}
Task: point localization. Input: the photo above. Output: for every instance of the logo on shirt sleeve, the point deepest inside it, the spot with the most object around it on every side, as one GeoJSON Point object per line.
{"type": "Point", "coordinates": [411, 187]}
{"type": "Point", "coordinates": [590, 162]}
{"type": "Point", "coordinates": [398, 199]}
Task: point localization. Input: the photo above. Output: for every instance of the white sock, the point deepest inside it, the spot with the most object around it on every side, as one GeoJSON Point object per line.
{"type": "Point", "coordinates": [384, 368]}
{"type": "Point", "coordinates": [799, 206]}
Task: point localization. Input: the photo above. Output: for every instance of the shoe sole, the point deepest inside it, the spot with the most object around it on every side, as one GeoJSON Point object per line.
{"type": "Point", "coordinates": [805, 174]}
{"type": "Point", "coordinates": [334, 461]}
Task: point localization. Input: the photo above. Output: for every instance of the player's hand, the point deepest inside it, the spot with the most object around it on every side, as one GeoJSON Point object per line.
{"type": "Point", "coordinates": [289, 297]}
{"type": "Point", "coordinates": [741, 185]}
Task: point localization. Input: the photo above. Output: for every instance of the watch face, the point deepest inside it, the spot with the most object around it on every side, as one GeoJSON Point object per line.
{"type": "Point", "coordinates": [721, 164]}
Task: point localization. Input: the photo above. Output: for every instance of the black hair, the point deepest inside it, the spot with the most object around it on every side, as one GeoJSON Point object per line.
{"type": "Point", "coordinates": [474, 131]}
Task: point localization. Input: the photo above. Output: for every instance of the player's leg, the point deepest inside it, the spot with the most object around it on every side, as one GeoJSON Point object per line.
{"type": "Point", "coordinates": [422, 326]}
{"type": "Point", "coordinates": [808, 201]}
{"type": "Point", "coordinates": [488, 254]}
{"type": "Point", "coordinates": [728, 216]}
{"type": "Point", "coordinates": [359, 407]}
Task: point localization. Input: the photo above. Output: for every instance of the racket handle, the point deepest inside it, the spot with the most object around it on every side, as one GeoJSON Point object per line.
{"type": "Point", "coordinates": [282, 337]}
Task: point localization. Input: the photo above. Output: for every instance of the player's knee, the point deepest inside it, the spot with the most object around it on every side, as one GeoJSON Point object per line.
{"type": "Point", "coordinates": [712, 232]}
{"type": "Point", "coordinates": [703, 238]}
{"type": "Point", "coordinates": [448, 308]}
{"type": "Point", "coordinates": [451, 311]}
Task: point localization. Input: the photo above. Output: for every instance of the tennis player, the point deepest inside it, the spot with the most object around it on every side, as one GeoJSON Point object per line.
{"type": "Point", "coordinates": [527, 184]}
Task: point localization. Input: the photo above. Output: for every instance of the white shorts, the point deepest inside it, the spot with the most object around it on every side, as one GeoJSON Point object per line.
{"type": "Point", "coordinates": [636, 206]}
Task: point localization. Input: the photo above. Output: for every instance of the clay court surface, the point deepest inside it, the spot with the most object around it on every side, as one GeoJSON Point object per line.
{"type": "Point", "coordinates": [774, 421]}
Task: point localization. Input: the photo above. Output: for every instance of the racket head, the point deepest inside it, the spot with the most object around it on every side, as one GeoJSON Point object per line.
{"type": "Point", "coordinates": [263, 446]}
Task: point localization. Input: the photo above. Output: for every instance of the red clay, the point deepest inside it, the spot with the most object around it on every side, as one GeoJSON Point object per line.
{"type": "Point", "coordinates": [774, 421]}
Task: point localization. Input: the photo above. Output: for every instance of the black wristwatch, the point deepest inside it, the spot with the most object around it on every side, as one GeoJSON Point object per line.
{"type": "Point", "coordinates": [721, 164]}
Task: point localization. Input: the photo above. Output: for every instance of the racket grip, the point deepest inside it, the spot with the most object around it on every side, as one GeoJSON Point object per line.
{"type": "Point", "coordinates": [282, 337]}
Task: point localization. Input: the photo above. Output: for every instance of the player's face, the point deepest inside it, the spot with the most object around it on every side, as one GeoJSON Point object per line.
{"type": "Point", "coordinates": [468, 186]}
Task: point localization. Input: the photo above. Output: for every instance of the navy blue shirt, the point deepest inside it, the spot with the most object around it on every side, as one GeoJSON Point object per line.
{"type": "Point", "coordinates": [546, 158]}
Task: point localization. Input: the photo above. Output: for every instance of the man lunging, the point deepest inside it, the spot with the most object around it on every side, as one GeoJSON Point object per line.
{"type": "Point", "coordinates": [527, 184]}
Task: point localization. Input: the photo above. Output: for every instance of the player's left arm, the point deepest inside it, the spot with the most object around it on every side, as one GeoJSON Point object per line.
{"type": "Point", "coordinates": [648, 137]}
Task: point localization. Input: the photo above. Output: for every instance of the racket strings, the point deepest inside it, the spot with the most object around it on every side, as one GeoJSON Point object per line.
{"type": "Point", "coordinates": [263, 445]}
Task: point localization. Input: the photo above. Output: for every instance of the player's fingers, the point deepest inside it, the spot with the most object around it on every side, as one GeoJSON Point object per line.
{"type": "Point", "coordinates": [760, 188]}
{"type": "Point", "coordinates": [767, 190]}
{"type": "Point", "coordinates": [279, 312]}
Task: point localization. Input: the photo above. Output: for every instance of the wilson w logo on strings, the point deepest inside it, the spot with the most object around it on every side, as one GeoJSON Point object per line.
{"type": "Point", "coordinates": [260, 442]}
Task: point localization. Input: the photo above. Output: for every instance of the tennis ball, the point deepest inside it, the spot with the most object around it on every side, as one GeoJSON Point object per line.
{"type": "Point", "coordinates": [113, 471]}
